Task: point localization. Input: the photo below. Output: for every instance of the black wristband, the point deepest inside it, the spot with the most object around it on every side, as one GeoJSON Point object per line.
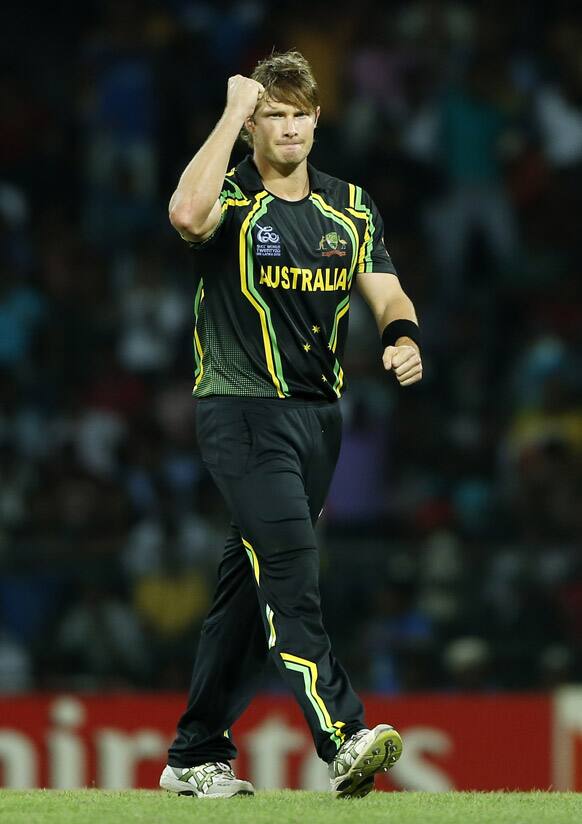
{"type": "Point", "coordinates": [401, 328]}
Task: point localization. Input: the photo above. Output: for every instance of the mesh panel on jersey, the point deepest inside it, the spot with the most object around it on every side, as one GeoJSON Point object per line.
{"type": "Point", "coordinates": [227, 368]}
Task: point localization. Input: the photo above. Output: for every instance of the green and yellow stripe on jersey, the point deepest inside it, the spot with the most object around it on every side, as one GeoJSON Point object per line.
{"type": "Point", "coordinates": [198, 351]}
{"type": "Point", "coordinates": [343, 220]}
{"type": "Point", "coordinates": [232, 195]}
{"type": "Point", "coordinates": [247, 285]}
{"type": "Point", "coordinates": [359, 209]}
{"type": "Point", "coordinates": [343, 307]}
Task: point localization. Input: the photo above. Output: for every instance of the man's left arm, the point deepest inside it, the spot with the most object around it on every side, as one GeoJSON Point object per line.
{"type": "Point", "coordinates": [390, 304]}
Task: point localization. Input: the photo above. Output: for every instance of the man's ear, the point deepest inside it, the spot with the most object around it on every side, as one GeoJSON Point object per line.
{"type": "Point", "coordinates": [317, 113]}
{"type": "Point", "coordinates": [250, 124]}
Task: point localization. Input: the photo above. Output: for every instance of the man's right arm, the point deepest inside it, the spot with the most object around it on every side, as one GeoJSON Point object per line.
{"type": "Point", "coordinates": [195, 207]}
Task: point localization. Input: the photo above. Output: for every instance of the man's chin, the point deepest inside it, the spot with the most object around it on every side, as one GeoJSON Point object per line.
{"type": "Point", "coordinates": [291, 159]}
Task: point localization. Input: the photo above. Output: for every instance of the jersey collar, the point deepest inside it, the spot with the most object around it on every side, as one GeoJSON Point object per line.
{"type": "Point", "coordinates": [251, 181]}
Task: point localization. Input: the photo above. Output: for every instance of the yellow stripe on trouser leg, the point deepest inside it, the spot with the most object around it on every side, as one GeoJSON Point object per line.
{"type": "Point", "coordinates": [270, 619]}
{"type": "Point", "coordinates": [253, 559]}
{"type": "Point", "coordinates": [257, 572]}
{"type": "Point", "coordinates": [309, 671]}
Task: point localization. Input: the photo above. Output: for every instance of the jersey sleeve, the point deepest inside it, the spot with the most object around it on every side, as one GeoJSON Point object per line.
{"type": "Point", "coordinates": [230, 197]}
{"type": "Point", "coordinates": [373, 255]}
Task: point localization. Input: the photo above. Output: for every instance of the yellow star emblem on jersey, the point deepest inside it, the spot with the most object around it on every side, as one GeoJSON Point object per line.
{"type": "Point", "coordinates": [307, 346]}
{"type": "Point", "coordinates": [315, 329]}
{"type": "Point", "coordinates": [324, 379]}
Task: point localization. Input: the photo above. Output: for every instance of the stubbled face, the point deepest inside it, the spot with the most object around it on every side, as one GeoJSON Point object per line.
{"type": "Point", "coordinates": [282, 133]}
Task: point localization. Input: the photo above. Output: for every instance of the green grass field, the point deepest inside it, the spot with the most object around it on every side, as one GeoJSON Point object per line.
{"type": "Point", "coordinates": [287, 807]}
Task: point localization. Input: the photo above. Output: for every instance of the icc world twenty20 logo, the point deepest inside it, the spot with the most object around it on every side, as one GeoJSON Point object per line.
{"type": "Point", "coordinates": [267, 235]}
{"type": "Point", "coordinates": [268, 242]}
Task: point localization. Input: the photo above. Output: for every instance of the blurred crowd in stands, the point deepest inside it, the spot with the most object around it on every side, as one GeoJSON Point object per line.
{"type": "Point", "coordinates": [451, 543]}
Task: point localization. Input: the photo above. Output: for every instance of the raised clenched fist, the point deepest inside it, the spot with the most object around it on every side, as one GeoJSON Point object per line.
{"type": "Point", "coordinates": [405, 362]}
{"type": "Point", "coordinates": [242, 95]}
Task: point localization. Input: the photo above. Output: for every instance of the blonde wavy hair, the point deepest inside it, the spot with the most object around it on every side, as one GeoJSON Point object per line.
{"type": "Point", "coordinates": [287, 78]}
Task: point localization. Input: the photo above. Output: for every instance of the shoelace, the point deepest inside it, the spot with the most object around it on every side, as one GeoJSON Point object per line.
{"type": "Point", "coordinates": [349, 747]}
{"type": "Point", "coordinates": [225, 768]}
{"type": "Point", "coordinates": [347, 753]}
{"type": "Point", "coordinates": [208, 773]}
{"type": "Point", "coordinates": [220, 768]}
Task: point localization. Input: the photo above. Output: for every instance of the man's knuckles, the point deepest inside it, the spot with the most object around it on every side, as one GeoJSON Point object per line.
{"type": "Point", "coordinates": [402, 362]}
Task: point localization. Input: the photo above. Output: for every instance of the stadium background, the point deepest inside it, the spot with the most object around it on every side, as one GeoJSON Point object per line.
{"type": "Point", "coordinates": [451, 557]}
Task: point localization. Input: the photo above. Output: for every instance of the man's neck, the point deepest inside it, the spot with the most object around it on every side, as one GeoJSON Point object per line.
{"type": "Point", "coordinates": [288, 184]}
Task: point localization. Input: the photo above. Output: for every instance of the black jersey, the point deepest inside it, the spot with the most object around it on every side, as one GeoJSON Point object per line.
{"type": "Point", "coordinates": [273, 287]}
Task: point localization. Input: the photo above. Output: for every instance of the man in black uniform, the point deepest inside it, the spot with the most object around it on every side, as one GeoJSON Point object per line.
{"type": "Point", "coordinates": [278, 246]}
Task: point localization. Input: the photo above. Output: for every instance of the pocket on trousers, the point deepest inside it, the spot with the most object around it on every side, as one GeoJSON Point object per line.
{"type": "Point", "coordinates": [207, 433]}
{"type": "Point", "coordinates": [225, 439]}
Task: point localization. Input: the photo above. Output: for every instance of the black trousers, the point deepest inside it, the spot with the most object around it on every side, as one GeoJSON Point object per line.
{"type": "Point", "coordinates": [273, 461]}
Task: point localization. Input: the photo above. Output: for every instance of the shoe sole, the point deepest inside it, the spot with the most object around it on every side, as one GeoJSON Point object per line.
{"type": "Point", "coordinates": [191, 793]}
{"type": "Point", "coordinates": [361, 790]}
{"type": "Point", "coordinates": [381, 755]}
{"type": "Point", "coordinates": [206, 795]}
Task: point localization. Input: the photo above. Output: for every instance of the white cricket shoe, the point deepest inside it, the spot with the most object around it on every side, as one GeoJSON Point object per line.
{"type": "Point", "coordinates": [351, 773]}
{"type": "Point", "coordinates": [213, 780]}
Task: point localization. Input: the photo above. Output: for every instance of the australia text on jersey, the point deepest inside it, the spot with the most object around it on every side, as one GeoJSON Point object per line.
{"type": "Point", "coordinates": [306, 280]}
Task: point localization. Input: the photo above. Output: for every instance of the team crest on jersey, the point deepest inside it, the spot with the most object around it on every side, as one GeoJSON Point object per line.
{"type": "Point", "coordinates": [268, 242]}
{"type": "Point", "coordinates": [332, 244]}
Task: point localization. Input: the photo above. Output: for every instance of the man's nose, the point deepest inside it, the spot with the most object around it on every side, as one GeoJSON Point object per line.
{"type": "Point", "coordinates": [290, 126]}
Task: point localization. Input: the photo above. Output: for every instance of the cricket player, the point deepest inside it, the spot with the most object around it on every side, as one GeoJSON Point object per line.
{"type": "Point", "coordinates": [277, 247]}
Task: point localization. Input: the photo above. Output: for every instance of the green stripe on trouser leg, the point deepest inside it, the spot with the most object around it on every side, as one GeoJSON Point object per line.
{"type": "Point", "coordinates": [309, 672]}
